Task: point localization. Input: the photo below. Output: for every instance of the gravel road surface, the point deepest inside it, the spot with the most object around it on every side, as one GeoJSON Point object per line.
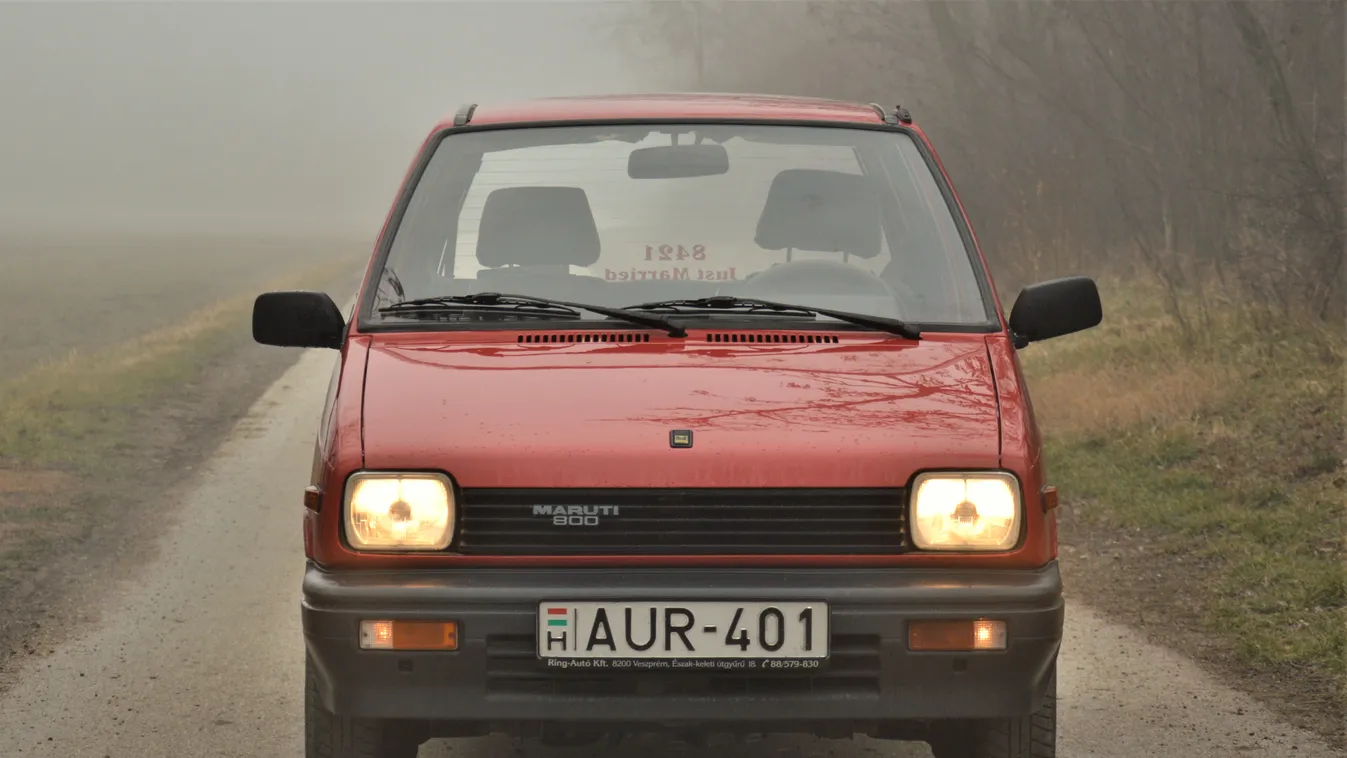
{"type": "Point", "coordinates": [202, 654]}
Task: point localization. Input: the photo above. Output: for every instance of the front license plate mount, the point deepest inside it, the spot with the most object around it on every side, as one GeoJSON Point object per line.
{"type": "Point", "coordinates": [758, 636]}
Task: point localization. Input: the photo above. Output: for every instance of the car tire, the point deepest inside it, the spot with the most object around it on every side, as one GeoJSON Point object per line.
{"type": "Point", "coordinates": [1032, 736]}
{"type": "Point", "coordinates": [327, 735]}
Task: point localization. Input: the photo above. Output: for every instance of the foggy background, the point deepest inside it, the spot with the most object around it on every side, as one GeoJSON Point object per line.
{"type": "Point", "coordinates": [276, 118]}
{"type": "Point", "coordinates": [1198, 145]}
{"type": "Point", "coordinates": [162, 163]}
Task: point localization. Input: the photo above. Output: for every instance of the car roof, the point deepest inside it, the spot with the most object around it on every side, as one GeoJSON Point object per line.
{"type": "Point", "coordinates": [672, 105]}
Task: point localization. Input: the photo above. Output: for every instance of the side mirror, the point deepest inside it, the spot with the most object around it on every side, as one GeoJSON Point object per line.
{"type": "Point", "coordinates": [298, 319]}
{"type": "Point", "coordinates": [1055, 308]}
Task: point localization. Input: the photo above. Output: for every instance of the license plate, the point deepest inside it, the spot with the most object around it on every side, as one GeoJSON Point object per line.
{"type": "Point", "coordinates": [691, 635]}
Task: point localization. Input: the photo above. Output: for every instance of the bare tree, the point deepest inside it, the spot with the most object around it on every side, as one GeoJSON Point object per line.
{"type": "Point", "coordinates": [1200, 143]}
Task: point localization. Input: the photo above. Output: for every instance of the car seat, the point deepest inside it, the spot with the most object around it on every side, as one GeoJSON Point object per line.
{"type": "Point", "coordinates": [824, 211]}
{"type": "Point", "coordinates": [529, 237]}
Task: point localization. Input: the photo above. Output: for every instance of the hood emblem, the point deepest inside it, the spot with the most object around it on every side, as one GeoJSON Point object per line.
{"type": "Point", "coordinates": [680, 438]}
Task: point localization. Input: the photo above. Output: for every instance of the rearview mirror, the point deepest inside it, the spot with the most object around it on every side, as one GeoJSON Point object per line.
{"type": "Point", "coordinates": [1055, 308]}
{"type": "Point", "coordinates": [297, 319]}
{"type": "Point", "coordinates": [678, 161]}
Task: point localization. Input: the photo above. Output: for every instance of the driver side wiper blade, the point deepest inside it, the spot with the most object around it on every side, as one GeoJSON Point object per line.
{"type": "Point", "coordinates": [475, 302]}
{"type": "Point", "coordinates": [722, 303]}
{"type": "Point", "coordinates": [728, 303]}
{"type": "Point", "coordinates": [531, 305]}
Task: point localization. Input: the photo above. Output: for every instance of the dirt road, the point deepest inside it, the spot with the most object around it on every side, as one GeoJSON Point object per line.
{"type": "Point", "coordinates": [201, 654]}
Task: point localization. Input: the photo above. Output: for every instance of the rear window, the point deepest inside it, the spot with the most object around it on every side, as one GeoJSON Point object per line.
{"type": "Point", "coordinates": [847, 219]}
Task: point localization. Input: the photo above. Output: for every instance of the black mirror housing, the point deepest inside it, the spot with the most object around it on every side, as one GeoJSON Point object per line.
{"type": "Point", "coordinates": [1055, 308]}
{"type": "Point", "coordinates": [298, 319]}
{"type": "Point", "coordinates": [678, 161]}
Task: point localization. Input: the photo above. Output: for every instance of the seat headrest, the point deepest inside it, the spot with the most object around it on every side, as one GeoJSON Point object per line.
{"type": "Point", "coordinates": [537, 226]}
{"type": "Point", "coordinates": [826, 211]}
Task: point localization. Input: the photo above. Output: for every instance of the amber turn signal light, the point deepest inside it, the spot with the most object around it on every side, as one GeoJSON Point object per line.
{"type": "Point", "coordinates": [948, 636]}
{"type": "Point", "coordinates": [408, 635]}
{"type": "Point", "coordinates": [1049, 498]}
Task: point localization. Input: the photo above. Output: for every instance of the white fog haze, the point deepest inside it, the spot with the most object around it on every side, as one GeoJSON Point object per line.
{"type": "Point", "coordinates": [285, 117]}
{"type": "Point", "coordinates": [1023, 317]}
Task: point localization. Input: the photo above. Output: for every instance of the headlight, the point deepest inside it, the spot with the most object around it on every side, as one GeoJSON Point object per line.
{"type": "Point", "coordinates": [965, 511]}
{"type": "Point", "coordinates": [399, 511]}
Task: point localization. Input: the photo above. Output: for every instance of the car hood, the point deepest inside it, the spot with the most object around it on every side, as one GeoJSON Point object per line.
{"type": "Point", "coordinates": [860, 412]}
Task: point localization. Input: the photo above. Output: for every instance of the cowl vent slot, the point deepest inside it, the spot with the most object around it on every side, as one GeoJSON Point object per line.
{"type": "Point", "coordinates": [775, 339]}
{"type": "Point", "coordinates": [571, 339]}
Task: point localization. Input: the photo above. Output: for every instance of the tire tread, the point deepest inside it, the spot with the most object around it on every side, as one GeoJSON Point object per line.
{"type": "Point", "coordinates": [327, 735]}
{"type": "Point", "coordinates": [1032, 736]}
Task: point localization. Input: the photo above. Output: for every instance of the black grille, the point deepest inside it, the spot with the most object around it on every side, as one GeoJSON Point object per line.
{"type": "Point", "coordinates": [683, 522]}
{"type": "Point", "coordinates": [776, 339]}
{"type": "Point", "coordinates": [557, 338]}
{"type": "Point", "coordinates": [513, 668]}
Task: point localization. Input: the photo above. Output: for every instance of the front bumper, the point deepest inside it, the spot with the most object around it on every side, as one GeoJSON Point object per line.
{"type": "Point", "coordinates": [494, 677]}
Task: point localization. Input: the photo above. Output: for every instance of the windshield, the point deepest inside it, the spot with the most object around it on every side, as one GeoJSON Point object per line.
{"type": "Point", "coordinates": [844, 219]}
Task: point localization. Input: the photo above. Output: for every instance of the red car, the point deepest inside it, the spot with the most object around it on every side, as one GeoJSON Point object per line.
{"type": "Point", "coordinates": [679, 412]}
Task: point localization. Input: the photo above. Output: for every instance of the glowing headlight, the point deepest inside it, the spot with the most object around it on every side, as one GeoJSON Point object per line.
{"type": "Point", "coordinates": [965, 511]}
{"type": "Point", "coordinates": [399, 511]}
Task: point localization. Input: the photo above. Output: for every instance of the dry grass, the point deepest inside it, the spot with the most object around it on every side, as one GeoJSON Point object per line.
{"type": "Point", "coordinates": [59, 296]}
{"type": "Point", "coordinates": [1136, 395]}
{"type": "Point", "coordinates": [45, 482]}
{"type": "Point", "coordinates": [64, 414]}
{"type": "Point", "coordinates": [1226, 447]}
{"type": "Point", "coordinates": [68, 427]}
{"type": "Point", "coordinates": [1136, 369]}
{"type": "Point", "coordinates": [111, 390]}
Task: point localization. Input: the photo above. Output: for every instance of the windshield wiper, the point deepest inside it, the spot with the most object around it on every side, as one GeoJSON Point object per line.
{"type": "Point", "coordinates": [528, 305]}
{"type": "Point", "coordinates": [724, 303]}
{"type": "Point", "coordinates": [484, 301]}
{"type": "Point", "coordinates": [730, 303]}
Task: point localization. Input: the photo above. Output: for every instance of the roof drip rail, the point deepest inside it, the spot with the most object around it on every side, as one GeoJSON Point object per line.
{"type": "Point", "coordinates": [464, 114]}
{"type": "Point", "coordinates": [899, 114]}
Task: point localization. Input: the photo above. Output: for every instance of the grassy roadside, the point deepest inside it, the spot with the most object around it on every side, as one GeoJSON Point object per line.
{"type": "Point", "coordinates": [113, 290]}
{"type": "Point", "coordinates": [86, 438]}
{"type": "Point", "coordinates": [94, 450]}
{"type": "Point", "coordinates": [70, 415]}
{"type": "Point", "coordinates": [1214, 473]}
